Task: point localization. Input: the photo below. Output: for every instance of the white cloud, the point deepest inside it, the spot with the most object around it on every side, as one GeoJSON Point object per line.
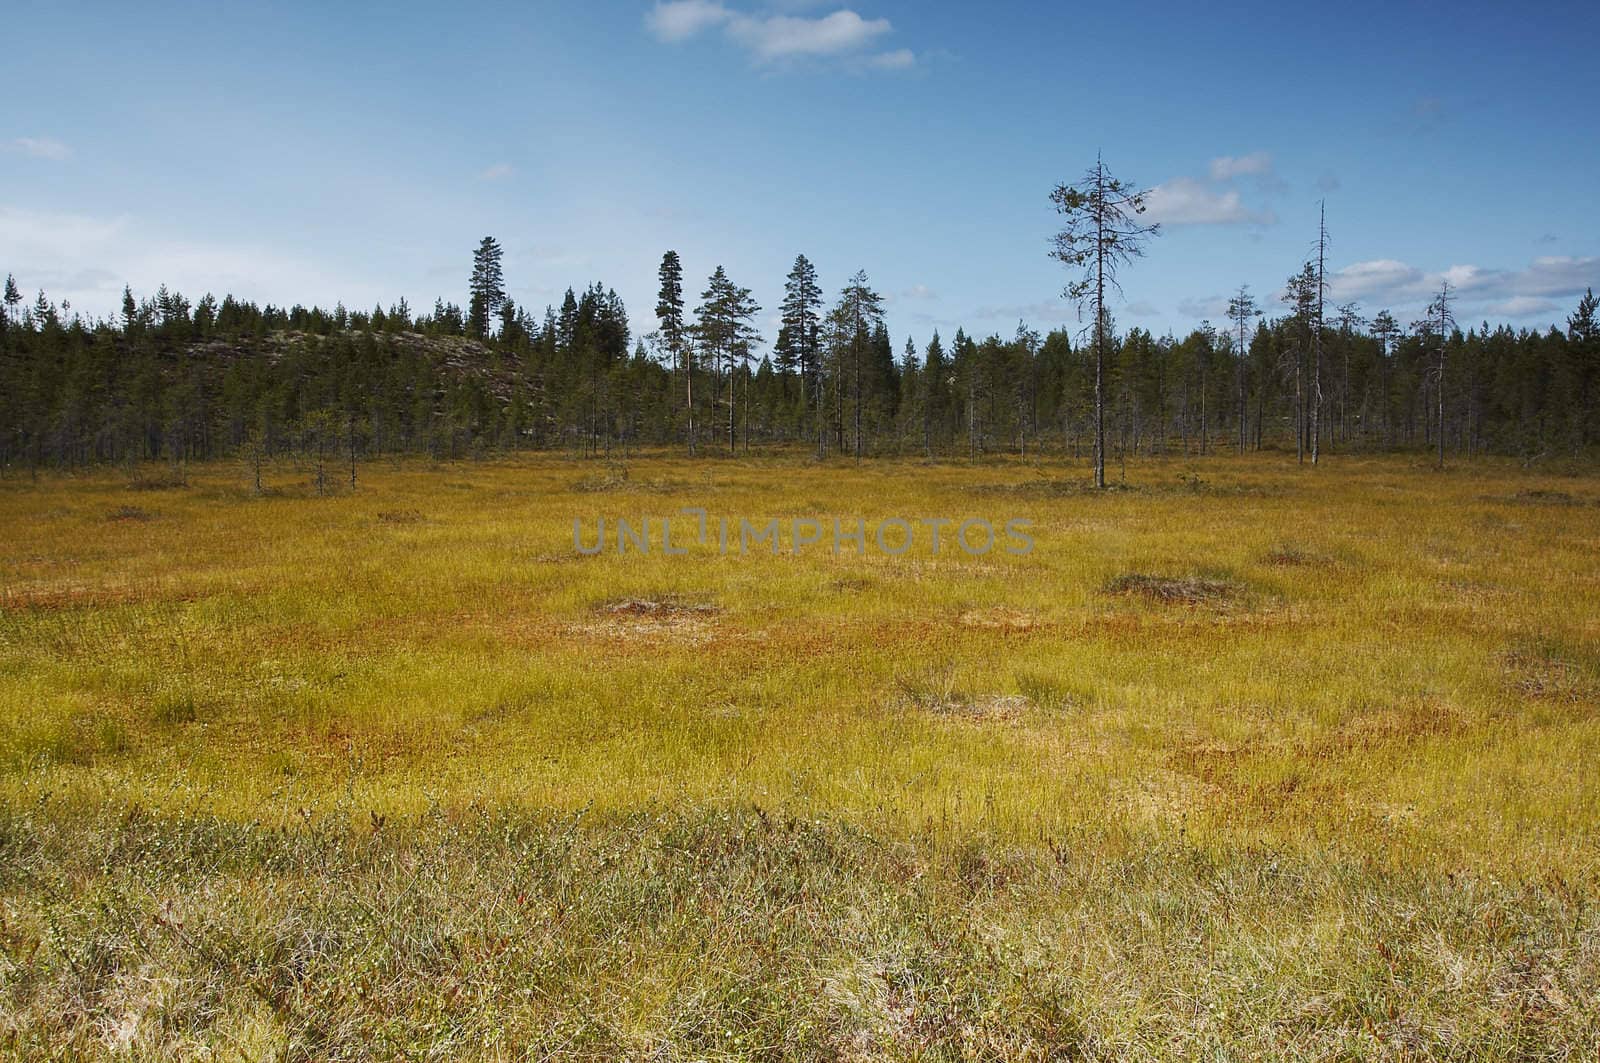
{"type": "Point", "coordinates": [1560, 275]}
{"type": "Point", "coordinates": [782, 36]}
{"type": "Point", "coordinates": [678, 20]}
{"type": "Point", "coordinates": [1538, 290]}
{"type": "Point", "coordinates": [87, 260]}
{"type": "Point", "coordinates": [1186, 201]}
{"type": "Point", "coordinates": [918, 291]}
{"type": "Point", "coordinates": [772, 38]}
{"type": "Point", "coordinates": [1227, 167]}
{"type": "Point", "coordinates": [498, 172]}
{"type": "Point", "coordinates": [1468, 279]}
{"type": "Point", "coordinates": [1370, 280]}
{"type": "Point", "coordinates": [1523, 306]}
{"type": "Point", "coordinates": [1214, 307]}
{"type": "Point", "coordinates": [899, 59]}
{"type": "Point", "coordinates": [41, 148]}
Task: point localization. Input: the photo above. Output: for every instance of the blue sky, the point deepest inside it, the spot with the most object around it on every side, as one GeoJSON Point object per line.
{"type": "Point", "coordinates": [293, 153]}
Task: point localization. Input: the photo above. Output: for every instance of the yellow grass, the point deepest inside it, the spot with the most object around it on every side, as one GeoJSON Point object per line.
{"type": "Point", "coordinates": [1371, 668]}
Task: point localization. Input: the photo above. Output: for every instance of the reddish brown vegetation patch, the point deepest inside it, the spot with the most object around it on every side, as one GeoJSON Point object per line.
{"type": "Point", "coordinates": [999, 618]}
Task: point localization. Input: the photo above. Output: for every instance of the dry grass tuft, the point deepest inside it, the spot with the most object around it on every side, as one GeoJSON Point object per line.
{"type": "Point", "coordinates": [1188, 590]}
{"type": "Point", "coordinates": [937, 692]}
{"type": "Point", "coordinates": [1543, 676]}
{"type": "Point", "coordinates": [1285, 555]}
{"type": "Point", "coordinates": [1000, 618]}
{"type": "Point", "coordinates": [665, 607]}
{"type": "Point", "coordinates": [163, 481]}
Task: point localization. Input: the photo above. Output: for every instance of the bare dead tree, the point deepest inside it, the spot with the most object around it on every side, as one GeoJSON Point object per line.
{"type": "Point", "coordinates": [1441, 321]}
{"type": "Point", "coordinates": [1300, 293]}
{"type": "Point", "coordinates": [1316, 333]}
{"type": "Point", "coordinates": [1101, 234]}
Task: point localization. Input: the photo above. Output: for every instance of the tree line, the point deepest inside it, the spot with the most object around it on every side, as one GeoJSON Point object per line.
{"type": "Point", "coordinates": [178, 380]}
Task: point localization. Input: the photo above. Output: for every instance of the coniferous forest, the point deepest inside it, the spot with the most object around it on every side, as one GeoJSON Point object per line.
{"type": "Point", "coordinates": [179, 380]}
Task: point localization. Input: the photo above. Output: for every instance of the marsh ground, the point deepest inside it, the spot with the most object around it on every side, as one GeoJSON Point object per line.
{"type": "Point", "coordinates": [1242, 759]}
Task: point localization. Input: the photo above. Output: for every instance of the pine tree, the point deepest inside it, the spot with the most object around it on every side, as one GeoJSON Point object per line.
{"type": "Point", "coordinates": [1101, 234]}
{"type": "Point", "coordinates": [1384, 329]}
{"type": "Point", "coordinates": [487, 286]}
{"type": "Point", "coordinates": [725, 333]}
{"type": "Point", "coordinates": [860, 311]}
{"type": "Point", "coordinates": [1242, 311]}
{"type": "Point", "coordinates": [800, 314]}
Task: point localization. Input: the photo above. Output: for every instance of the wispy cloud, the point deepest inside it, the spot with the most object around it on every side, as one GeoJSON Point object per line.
{"type": "Point", "coordinates": [498, 172]}
{"type": "Point", "coordinates": [1377, 279]}
{"type": "Point", "coordinates": [1535, 291]}
{"type": "Point", "coordinates": [775, 38]}
{"type": "Point", "coordinates": [678, 20]}
{"type": "Point", "coordinates": [1052, 312]}
{"type": "Point", "coordinates": [87, 259]}
{"type": "Point", "coordinates": [781, 36]}
{"type": "Point", "coordinates": [1524, 306]}
{"type": "Point", "coordinates": [41, 148]}
{"type": "Point", "coordinates": [1214, 307]}
{"type": "Point", "coordinates": [1216, 199]}
{"type": "Point", "coordinates": [899, 59]}
{"type": "Point", "coordinates": [1227, 167]}
{"type": "Point", "coordinates": [1187, 201]}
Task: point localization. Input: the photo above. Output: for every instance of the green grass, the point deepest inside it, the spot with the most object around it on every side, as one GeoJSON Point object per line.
{"type": "Point", "coordinates": [1243, 760]}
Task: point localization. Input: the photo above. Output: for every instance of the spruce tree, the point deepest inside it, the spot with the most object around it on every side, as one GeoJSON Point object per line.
{"type": "Point", "coordinates": [669, 318]}
{"type": "Point", "coordinates": [1583, 368]}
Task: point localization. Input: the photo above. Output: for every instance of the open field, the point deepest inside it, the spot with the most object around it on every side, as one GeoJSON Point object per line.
{"type": "Point", "coordinates": [1241, 760]}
